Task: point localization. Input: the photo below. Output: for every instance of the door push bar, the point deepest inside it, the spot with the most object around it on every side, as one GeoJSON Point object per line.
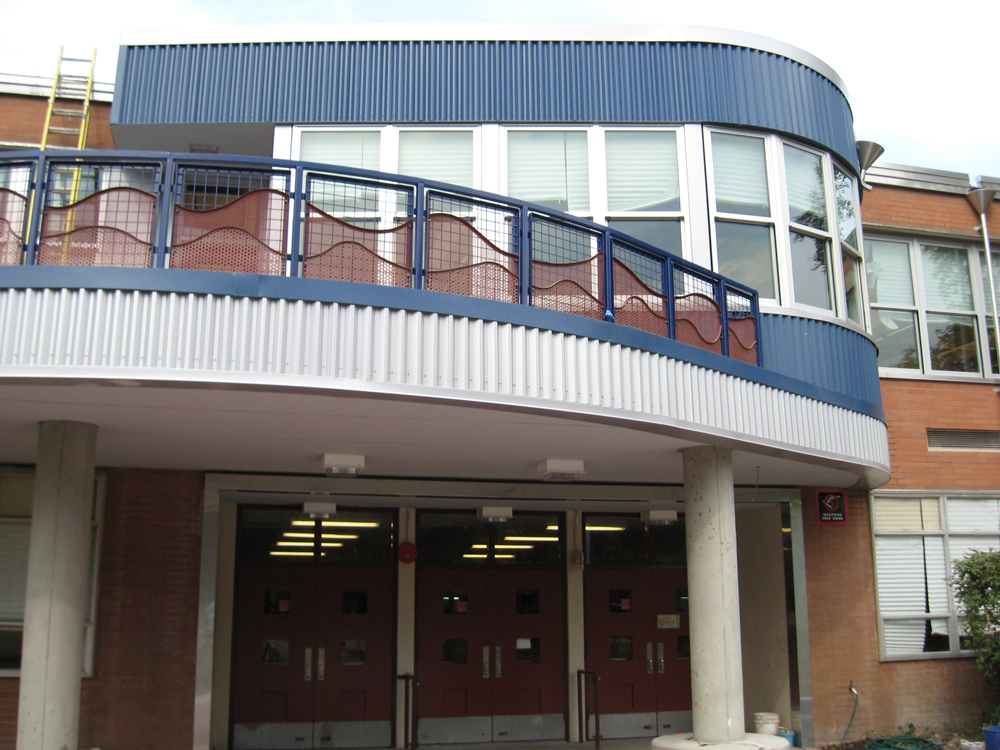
{"type": "Point", "coordinates": [486, 663]}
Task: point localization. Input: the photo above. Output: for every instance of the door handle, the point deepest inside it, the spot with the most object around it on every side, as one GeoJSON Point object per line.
{"type": "Point", "coordinates": [321, 662]}
{"type": "Point", "coordinates": [486, 662]}
{"type": "Point", "coordinates": [498, 662]}
{"type": "Point", "coordinates": [309, 663]}
{"type": "Point", "coordinates": [659, 654]}
{"type": "Point", "coordinates": [649, 658]}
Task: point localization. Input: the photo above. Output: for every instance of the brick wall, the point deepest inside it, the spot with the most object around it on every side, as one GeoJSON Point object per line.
{"type": "Point", "coordinates": [843, 641]}
{"type": "Point", "coordinates": [24, 119]}
{"type": "Point", "coordinates": [141, 696]}
{"type": "Point", "coordinates": [905, 208]}
{"type": "Point", "coordinates": [914, 405]}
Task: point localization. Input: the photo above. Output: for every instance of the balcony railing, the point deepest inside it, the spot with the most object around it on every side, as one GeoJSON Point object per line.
{"type": "Point", "coordinates": [280, 218]}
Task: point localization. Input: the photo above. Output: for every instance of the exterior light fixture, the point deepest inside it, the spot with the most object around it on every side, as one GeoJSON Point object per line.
{"type": "Point", "coordinates": [319, 510]}
{"type": "Point", "coordinates": [659, 517]}
{"type": "Point", "coordinates": [341, 463]}
{"type": "Point", "coordinates": [495, 514]}
{"type": "Point", "coordinates": [868, 154]}
{"type": "Point", "coordinates": [560, 469]}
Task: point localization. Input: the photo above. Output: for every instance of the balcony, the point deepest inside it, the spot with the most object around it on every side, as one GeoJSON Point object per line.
{"type": "Point", "coordinates": [272, 218]}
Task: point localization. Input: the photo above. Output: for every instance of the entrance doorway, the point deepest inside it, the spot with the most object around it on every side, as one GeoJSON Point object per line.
{"type": "Point", "coordinates": [637, 637]}
{"type": "Point", "coordinates": [491, 632]}
{"type": "Point", "coordinates": [313, 646]}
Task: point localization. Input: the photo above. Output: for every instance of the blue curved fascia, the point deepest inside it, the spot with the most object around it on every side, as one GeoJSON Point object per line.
{"type": "Point", "coordinates": [511, 82]}
{"type": "Point", "coordinates": [169, 281]}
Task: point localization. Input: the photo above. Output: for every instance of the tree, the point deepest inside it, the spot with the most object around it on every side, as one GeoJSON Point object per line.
{"type": "Point", "coordinates": [977, 587]}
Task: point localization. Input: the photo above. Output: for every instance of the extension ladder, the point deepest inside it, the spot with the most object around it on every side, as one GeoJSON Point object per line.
{"type": "Point", "coordinates": [69, 102]}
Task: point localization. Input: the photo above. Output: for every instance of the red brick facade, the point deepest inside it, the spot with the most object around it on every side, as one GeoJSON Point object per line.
{"type": "Point", "coordinates": [923, 210]}
{"type": "Point", "coordinates": [142, 692]}
{"type": "Point", "coordinates": [23, 121]}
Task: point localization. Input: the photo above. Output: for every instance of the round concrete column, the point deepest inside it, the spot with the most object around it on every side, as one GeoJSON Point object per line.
{"type": "Point", "coordinates": [56, 605]}
{"type": "Point", "coordinates": [713, 591]}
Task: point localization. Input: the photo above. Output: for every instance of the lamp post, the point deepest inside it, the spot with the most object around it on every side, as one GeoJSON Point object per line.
{"type": "Point", "coordinates": [981, 198]}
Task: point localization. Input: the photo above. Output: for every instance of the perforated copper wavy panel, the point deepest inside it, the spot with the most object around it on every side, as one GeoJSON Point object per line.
{"type": "Point", "coordinates": [126, 210]}
{"type": "Point", "coordinates": [637, 305]}
{"type": "Point", "coordinates": [11, 225]}
{"type": "Point", "coordinates": [230, 250]}
{"type": "Point", "coordinates": [699, 322]}
{"type": "Point", "coordinates": [259, 214]}
{"type": "Point", "coordinates": [94, 246]}
{"type": "Point", "coordinates": [337, 250]}
{"type": "Point", "coordinates": [460, 260]}
{"type": "Point", "coordinates": [743, 340]}
{"type": "Point", "coordinates": [570, 287]}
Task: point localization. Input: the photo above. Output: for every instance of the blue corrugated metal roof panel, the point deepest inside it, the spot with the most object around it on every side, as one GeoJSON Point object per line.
{"type": "Point", "coordinates": [481, 81]}
{"type": "Point", "coordinates": [824, 354]}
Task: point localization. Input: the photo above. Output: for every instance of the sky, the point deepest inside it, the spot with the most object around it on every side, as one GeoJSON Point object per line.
{"type": "Point", "coordinates": [922, 79]}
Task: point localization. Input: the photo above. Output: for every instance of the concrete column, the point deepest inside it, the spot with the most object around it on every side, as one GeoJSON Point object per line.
{"type": "Point", "coordinates": [56, 605]}
{"type": "Point", "coordinates": [406, 619]}
{"type": "Point", "coordinates": [713, 590]}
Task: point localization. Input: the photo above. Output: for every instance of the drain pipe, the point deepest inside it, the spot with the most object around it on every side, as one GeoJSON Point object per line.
{"type": "Point", "coordinates": [981, 198]}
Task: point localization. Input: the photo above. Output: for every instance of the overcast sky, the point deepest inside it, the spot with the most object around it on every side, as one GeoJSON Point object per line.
{"type": "Point", "coordinates": [922, 78]}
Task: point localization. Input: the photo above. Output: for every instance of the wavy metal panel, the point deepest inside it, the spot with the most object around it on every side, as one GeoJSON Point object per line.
{"type": "Point", "coordinates": [206, 338]}
{"type": "Point", "coordinates": [824, 354]}
{"type": "Point", "coordinates": [481, 81]}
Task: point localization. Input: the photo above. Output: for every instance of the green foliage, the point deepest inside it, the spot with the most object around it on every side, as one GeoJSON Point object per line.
{"type": "Point", "coordinates": [977, 587]}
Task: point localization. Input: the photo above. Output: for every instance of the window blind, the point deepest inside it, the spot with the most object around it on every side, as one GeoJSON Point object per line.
{"type": "Point", "coordinates": [442, 155]}
{"type": "Point", "coordinates": [890, 281]}
{"type": "Point", "coordinates": [549, 167]}
{"type": "Point", "coordinates": [642, 171]}
{"type": "Point", "coordinates": [740, 174]}
{"type": "Point", "coordinates": [357, 149]}
{"type": "Point", "coordinates": [14, 535]}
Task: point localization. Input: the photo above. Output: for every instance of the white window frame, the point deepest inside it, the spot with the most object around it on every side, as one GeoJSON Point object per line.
{"type": "Point", "coordinates": [955, 650]}
{"type": "Point", "coordinates": [97, 529]}
{"type": "Point", "coordinates": [921, 308]}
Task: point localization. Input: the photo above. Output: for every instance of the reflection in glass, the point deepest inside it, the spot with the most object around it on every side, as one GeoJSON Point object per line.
{"type": "Point", "coordinates": [275, 653]}
{"type": "Point", "coordinates": [740, 175]}
{"type": "Point", "coordinates": [847, 211]}
{"type": "Point", "coordinates": [896, 337]}
{"type": "Point", "coordinates": [620, 600]}
{"type": "Point", "coordinates": [953, 343]}
{"type": "Point", "coordinates": [529, 650]}
{"type": "Point", "coordinates": [642, 171]}
{"type": "Point", "coordinates": [947, 283]}
{"type": "Point", "coordinates": [806, 191]}
{"type": "Point", "coordinates": [277, 602]}
{"type": "Point", "coordinates": [890, 281]}
{"type": "Point", "coordinates": [662, 233]}
{"type": "Point", "coordinates": [984, 273]}
{"type": "Point", "coordinates": [442, 155]}
{"type": "Point", "coordinates": [850, 264]}
{"type": "Point", "coordinates": [456, 651]}
{"type": "Point", "coordinates": [549, 167]}
{"type": "Point", "coordinates": [354, 652]}
{"type": "Point", "coordinates": [746, 255]}
{"type": "Point", "coordinates": [456, 602]}
{"type": "Point", "coordinates": [683, 647]}
{"type": "Point", "coordinates": [621, 648]}
{"type": "Point", "coordinates": [810, 271]}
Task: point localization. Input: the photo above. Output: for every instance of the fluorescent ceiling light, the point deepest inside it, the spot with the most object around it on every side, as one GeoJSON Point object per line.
{"type": "Point", "coordinates": [531, 539]}
{"type": "Point", "coordinates": [605, 528]}
{"type": "Point", "coordinates": [353, 524]}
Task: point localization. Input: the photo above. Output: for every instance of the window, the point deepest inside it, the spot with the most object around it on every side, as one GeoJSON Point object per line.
{"type": "Point", "coordinates": [917, 540]}
{"type": "Point", "coordinates": [345, 148]}
{"type": "Point", "coordinates": [931, 307]}
{"type": "Point", "coordinates": [744, 231]}
{"type": "Point", "coordinates": [441, 155]}
{"type": "Point", "coordinates": [549, 167]}
{"type": "Point", "coordinates": [16, 491]}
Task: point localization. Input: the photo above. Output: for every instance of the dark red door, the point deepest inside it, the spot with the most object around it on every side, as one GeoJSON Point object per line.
{"type": "Point", "coordinates": [313, 658]}
{"type": "Point", "coordinates": [491, 655]}
{"type": "Point", "coordinates": [636, 640]}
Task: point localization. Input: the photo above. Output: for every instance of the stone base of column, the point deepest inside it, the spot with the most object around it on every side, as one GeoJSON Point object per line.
{"type": "Point", "coordinates": [687, 742]}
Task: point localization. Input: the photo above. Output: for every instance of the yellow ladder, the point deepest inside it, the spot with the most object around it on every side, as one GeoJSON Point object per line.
{"type": "Point", "coordinates": [69, 102]}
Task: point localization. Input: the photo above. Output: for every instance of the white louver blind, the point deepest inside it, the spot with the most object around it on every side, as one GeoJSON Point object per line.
{"type": "Point", "coordinates": [806, 192]}
{"type": "Point", "coordinates": [890, 281]}
{"type": "Point", "coordinates": [642, 171]}
{"type": "Point", "coordinates": [947, 284]}
{"type": "Point", "coordinates": [549, 167]}
{"type": "Point", "coordinates": [740, 174]}
{"type": "Point", "coordinates": [442, 155]}
{"type": "Point", "coordinates": [357, 149]}
{"type": "Point", "coordinates": [973, 515]}
{"type": "Point", "coordinates": [14, 535]}
{"type": "Point", "coordinates": [912, 580]}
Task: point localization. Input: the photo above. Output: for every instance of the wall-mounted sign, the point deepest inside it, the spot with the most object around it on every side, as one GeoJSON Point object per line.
{"type": "Point", "coordinates": [831, 507]}
{"type": "Point", "coordinates": [668, 621]}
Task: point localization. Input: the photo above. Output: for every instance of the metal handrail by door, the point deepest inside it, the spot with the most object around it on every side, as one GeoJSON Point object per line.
{"type": "Point", "coordinates": [582, 707]}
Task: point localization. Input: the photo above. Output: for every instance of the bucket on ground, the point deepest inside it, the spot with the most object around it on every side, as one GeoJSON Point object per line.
{"type": "Point", "coordinates": [790, 736]}
{"type": "Point", "coordinates": [767, 723]}
{"type": "Point", "coordinates": [992, 737]}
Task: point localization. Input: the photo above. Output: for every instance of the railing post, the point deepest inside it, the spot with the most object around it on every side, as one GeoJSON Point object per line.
{"type": "Point", "coordinates": [419, 234]}
{"type": "Point", "coordinates": [609, 278]}
{"type": "Point", "coordinates": [524, 255]}
{"type": "Point", "coordinates": [36, 205]}
{"type": "Point", "coordinates": [668, 291]}
{"type": "Point", "coordinates": [298, 196]}
{"type": "Point", "coordinates": [723, 293]}
{"type": "Point", "coordinates": [755, 312]}
{"type": "Point", "coordinates": [165, 206]}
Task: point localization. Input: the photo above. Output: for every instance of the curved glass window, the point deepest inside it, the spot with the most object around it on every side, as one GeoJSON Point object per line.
{"type": "Point", "coordinates": [740, 175]}
{"type": "Point", "coordinates": [549, 167]}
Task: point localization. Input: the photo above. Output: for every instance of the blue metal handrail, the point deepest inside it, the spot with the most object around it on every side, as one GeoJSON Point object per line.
{"type": "Point", "coordinates": [195, 185]}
